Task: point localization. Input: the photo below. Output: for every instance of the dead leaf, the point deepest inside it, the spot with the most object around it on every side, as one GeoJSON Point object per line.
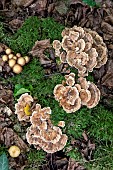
{"type": "Point", "coordinates": [18, 163]}
{"type": "Point", "coordinates": [85, 146]}
{"type": "Point", "coordinates": [19, 3]}
{"type": "Point", "coordinates": [38, 50]}
{"type": "Point", "coordinates": [8, 137]}
{"type": "Point", "coordinates": [106, 27]}
{"type": "Point", "coordinates": [6, 95]}
{"type": "Point", "coordinates": [39, 6]}
{"type": "Point", "coordinates": [61, 7]}
{"type": "Point", "coordinates": [4, 121]}
{"type": "Point", "coordinates": [73, 165]}
{"type": "Point", "coordinates": [40, 47]}
{"type": "Point", "coordinates": [16, 23]}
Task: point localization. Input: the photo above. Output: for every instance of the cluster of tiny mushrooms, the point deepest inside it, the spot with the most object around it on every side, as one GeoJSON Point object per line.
{"type": "Point", "coordinates": [16, 62]}
{"type": "Point", "coordinates": [84, 50]}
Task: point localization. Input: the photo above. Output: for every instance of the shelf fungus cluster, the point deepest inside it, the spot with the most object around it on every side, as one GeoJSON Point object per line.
{"type": "Point", "coordinates": [72, 96]}
{"type": "Point", "coordinates": [42, 133]}
{"type": "Point", "coordinates": [23, 107]}
{"type": "Point", "coordinates": [15, 62]}
{"type": "Point", "coordinates": [82, 49]}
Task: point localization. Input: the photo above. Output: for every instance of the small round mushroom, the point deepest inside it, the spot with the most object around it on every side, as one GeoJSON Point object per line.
{"type": "Point", "coordinates": [18, 55]}
{"type": "Point", "coordinates": [14, 151]}
{"type": "Point", "coordinates": [21, 61]}
{"type": "Point", "coordinates": [5, 58]}
{"type": "Point", "coordinates": [15, 57]}
{"type": "Point", "coordinates": [8, 51]}
{"type": "Point", "coordinates": [17, 69]}
{"type": "Point", "coordinates": [10, 56]}
{"type": "Point", "coordinates": [12, 62]}
{"type": "Point", "coordinates": [27, 59]}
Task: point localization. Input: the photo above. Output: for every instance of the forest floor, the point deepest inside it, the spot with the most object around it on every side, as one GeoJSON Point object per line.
{"type": "Point", "coordinates": [89, 131]}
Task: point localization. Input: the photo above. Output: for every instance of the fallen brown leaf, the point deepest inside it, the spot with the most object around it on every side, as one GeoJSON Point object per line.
{"type": "Point", "coordinates": [73, 165]}
{"type": "Point", "coordinates": [40, 47]}
{"type": "Point", "coordinates": [18, 163]}
{"type": "Point", "coordinates": [39, 7]}
{"type": "Point", "coordinates": [8, 137]}
{"type": "Point", "coordinates": [16, 23]}
{"type": "Point", "coordinates": [85, 146]}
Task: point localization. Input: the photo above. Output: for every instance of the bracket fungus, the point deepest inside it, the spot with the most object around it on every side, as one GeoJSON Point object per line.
{"type": "Point", "coordinates": [82, 49]}
{"type": "Point", "coordinates": [43, 134]}
{"type": "Point", "coordinates": [23, 107]}
{"type": "Point", "coordinates": [72, 96]}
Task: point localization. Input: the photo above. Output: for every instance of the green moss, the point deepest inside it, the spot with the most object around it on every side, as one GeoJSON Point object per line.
{"type": "Point", "coordinates": [35, 159]}
{"type": "Point", "coordinates": [2, 31]}
{"type": "Point", "coordinates": [33, 79]}
{"type": "Point", "coordinates": [101, 124]}
{"type": "Point", "coordinates": [36, 155]}
{"type": "Point", "coordinates": [2, 149]}
{"type": "Point", "coordinates": [51, 29]}
{"type": "Point", "coordinates": [90, 2]}
{"type": "Point", "coordinates": [32, 30]}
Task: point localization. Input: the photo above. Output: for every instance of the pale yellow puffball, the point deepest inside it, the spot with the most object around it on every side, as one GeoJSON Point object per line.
{"type": "Point", "coordinates": [17, 69]}
{"type": "Point", "coordinates": [10, 56]}
{"type": "Point", "coordinates": [15, 57]}
{"type": "Point", "coordinates": [8, 51]}
{"type": "Point", "coordinates": [18, 55]}
{"type": "Point", "coordinates": [12, 62]}
{"type": "Point", "coordinates": [27, 59]}
{"type": "Point", "coordinates": [5, 58]}
{"type": "Point", "coordinates": [21, 61]}
{"type": "Point", "coordinates": [14, 151]}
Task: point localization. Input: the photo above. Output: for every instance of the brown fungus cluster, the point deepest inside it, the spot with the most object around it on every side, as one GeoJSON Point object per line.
{"type": "Point", "coordinates": [72, 96]}
{"type": "Point", "coordinates": [43, 134]}
{"type": "Point", "coordinates": [82, 49]}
